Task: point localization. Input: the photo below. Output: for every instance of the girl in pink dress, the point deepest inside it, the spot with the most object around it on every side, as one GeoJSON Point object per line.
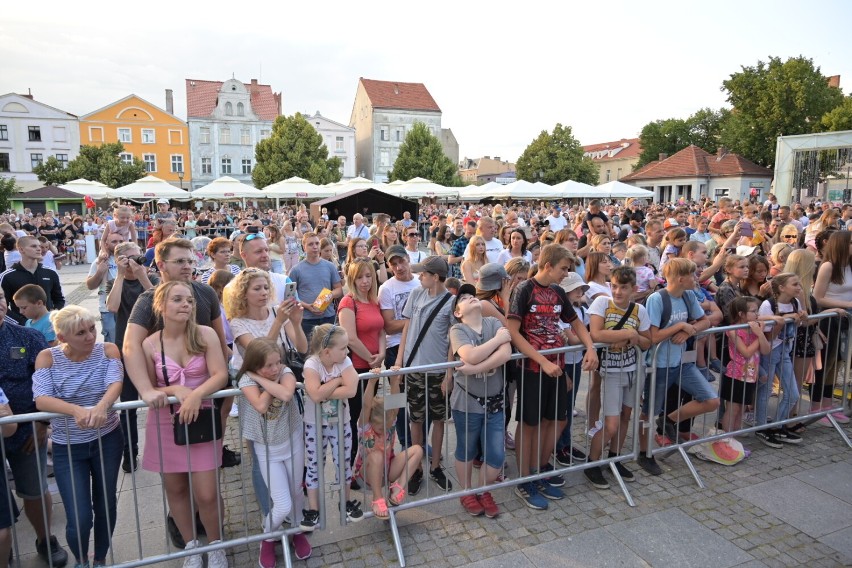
{"type": "Point", "coordinates": [196, 369]}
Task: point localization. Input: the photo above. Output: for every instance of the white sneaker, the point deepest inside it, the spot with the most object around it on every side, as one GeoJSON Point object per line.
{"type": "Point", "coordinates": [194, 561]}
{"type": "Point", "coordinates": [235, 411]}
{"type": "Point", "coordinates": [217, 558]}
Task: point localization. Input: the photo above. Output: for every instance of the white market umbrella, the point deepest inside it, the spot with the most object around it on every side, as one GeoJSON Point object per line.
{"type": "Point", "coordinates": [570, 188]}
{"type": "Point", "coordinates": [490, 190]}
{"type": "Point", "coordinates": [296, 188]}
{"type": "Point", "coordinates": [522, 189]}
{"type": "Point", "coordinates": [94, 189]}
{"type": "Point", "coordinates": [356, 183]}
{"type": "Point", "coordinates": [149, 188]}
{"type": "Point", "coordinates": [616, 188]}
{"type": "Point", "coordinates": [227, 187]}
{"type": "Point", "coordinates": [420, 187]}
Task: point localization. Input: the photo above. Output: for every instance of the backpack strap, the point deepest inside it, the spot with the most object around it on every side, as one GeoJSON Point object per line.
{"type": "Point", "coordinates": [629, 312]}
{"type": "Point", "coordinates": [666, 315]}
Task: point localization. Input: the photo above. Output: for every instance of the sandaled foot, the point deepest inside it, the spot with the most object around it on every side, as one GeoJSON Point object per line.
{"type": "Point", "coordinates": [396, 494]}
{"type": "Point", "coordinates": [380, 509]}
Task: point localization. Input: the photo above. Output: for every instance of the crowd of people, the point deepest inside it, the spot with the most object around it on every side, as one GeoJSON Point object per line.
{"type": "Point", "coordinates": [191, 302]}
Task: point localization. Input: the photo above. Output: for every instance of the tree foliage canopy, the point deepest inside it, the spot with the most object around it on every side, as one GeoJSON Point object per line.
{"type": "Point", "coordinates": [774, 99]}
{"type": "Point", "coordinates": [95, 163]}
{"type": "Point", "coordinates": [555, 157]}
{"type": "Point", "coordinates": [295, 148]}
{"type": "Point", "coordinates": [8, 188]}
{"type": "Point", "coordinates": [839, 118]}
{"type": "Point", "coordinates": [674, 134]}
{"type": "Point", "coordinates": [421, 155]}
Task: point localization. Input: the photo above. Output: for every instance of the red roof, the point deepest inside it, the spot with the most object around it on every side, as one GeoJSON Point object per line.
{"type": "Point", "coordinates": [693, 161]}
{"type": "Point", "coordinates": [202, 96]}
{"type": "Point", "coordinates": [392, 94]}
{"type": "Point", "coordinates": [627, 148]}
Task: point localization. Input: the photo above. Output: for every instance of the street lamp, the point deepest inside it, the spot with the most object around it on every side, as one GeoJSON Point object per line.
{"type": "Point", "coordinates": [180, 177]}
{"type": "Point", "coordinates": [846, 194]}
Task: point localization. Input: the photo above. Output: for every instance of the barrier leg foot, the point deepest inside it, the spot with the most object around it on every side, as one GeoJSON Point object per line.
{"type": "Point", "coordinates": [621, 484]}
{"type": "Point", "coordinates": [691, 467]}
{"type": "Point", "coordinates": [839, 429]}
{"type": "Point", "coordinates": [397, 542]}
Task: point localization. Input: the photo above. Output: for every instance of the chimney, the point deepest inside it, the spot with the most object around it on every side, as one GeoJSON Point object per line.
{"type": "Point", "coordinates": [720, 152]}
{"type": "Point", "coordinates": [29, 94]}
{"type": "Point", "coordinates": [277, 97]}
{"type": "Point", "coordinates": [496, 158]}
{"type": "Point", "coordinates": [170, 101]}
{"type": "Point", "coordinates": [662, 156]}
{"type": "Point", "coordinates": [834, 81]}
{"type": "Point", "coordinates": [487, 157]}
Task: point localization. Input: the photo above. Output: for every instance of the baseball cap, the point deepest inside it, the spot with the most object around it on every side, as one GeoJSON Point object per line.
{"type": "Point", "coordinates": [465, 289]}
{"type": "Point", "coordinates": [396, 250]}
{"type": "Point", "coordinates": [491, 276]}
{"type": "Point", "coordinates": [671, 222]}
{"type": "Point", "coordinates": [572, 282]}
{"type": "Point", "coordinates": [745, 250]}
{"type": "Point", "coordinates": [162, 201]}
{"type": "Point", "coordinates": [434, 264]}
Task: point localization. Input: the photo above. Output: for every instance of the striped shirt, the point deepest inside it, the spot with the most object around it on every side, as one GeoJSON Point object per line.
{"type": "Point", "coordinates": [82, 383]}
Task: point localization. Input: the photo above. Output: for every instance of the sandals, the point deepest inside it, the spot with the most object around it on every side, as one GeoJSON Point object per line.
{"type": "Point", "coordinates": [796, 428]}
{"type": "Point", "coordinates": [380, 509]}
{"type": "Point", "coordinates": [396, 494]}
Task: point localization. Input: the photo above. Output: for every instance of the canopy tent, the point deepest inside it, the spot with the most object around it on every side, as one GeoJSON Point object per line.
{"type": "Point", "coordinates": [227, 187]}
{"type": "Point", "coordinates": [420, 187]}
{"type": "Point", "coordinates": [523, 189]}
{"type": "Point", "coordinates": [616, 188]}
{"type": "Point", "coordinates": [296, 188]}
{"type": "Point", "coordinates": [353, 184]}
{"type": "Point", "coordinates": [490, 190]}
{"type": "Point", "coordinates": [368, 201]}
{"type": "Point", "coordinates": [570, 188]}
{"type": "Point", "coordinates": [94, 189]}
{"type": "Point", "coordinates": [149, 188]}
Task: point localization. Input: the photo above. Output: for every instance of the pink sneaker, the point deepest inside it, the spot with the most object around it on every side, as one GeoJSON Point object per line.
{"type": "Point", "coordinates": [267, 554]}
{"type": "Point", "coordinates": [840, 417]}
{"type": "Point", "coordinates": [824, 422]}
{"type": "Point", "coordinates": [301, 546]}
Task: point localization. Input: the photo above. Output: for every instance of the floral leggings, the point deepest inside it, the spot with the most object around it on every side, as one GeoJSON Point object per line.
{"type": "Point", "coordinates": [329, 437]}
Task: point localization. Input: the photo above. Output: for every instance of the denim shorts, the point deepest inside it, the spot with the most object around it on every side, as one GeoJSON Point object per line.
{"type": "Point", "coordinates": [480, 434]}
{"type": "Point", "coordinates": [30, 482]}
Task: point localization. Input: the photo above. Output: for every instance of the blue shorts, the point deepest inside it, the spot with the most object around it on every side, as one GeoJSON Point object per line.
{"type": "Point", "coordinates": [480, 435]}
{"type": "Point", "coordinates": [691, 381]}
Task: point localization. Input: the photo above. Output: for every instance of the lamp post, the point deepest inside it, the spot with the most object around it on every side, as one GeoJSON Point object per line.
{"type": "Point", "coordinates": [847, 197]}
{"type": "Point", "coordinates": [180, 177]}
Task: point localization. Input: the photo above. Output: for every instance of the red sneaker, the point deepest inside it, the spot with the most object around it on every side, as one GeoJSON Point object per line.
{"type": "Point", "coordinates": [488, 505]}
{"type": "Point", "coordinates": [302, 547]}
{"type": "Point", "coordinates": [267, 554]}
{"type": "Point", "coordinates": [471, 505]}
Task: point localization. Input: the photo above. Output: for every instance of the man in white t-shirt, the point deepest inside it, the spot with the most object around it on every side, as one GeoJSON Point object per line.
{"type": "Point", "coordinates": [487, 229]}
{"type": "Point", "coordinates": [357, 230]}
{"type": "Point", "coordinates": [555, 221]}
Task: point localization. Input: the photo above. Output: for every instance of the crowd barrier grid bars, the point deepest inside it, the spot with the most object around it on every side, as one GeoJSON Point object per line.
{"type": "Point", "coordinates": [681, 446]}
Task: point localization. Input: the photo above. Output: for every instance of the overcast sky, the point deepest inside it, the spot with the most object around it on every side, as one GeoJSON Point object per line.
{"type": "Point", "coordinates": [501, 72]}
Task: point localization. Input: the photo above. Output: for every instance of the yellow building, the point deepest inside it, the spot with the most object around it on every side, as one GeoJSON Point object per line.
{"type": "Point", "coordinates": [155, 136]}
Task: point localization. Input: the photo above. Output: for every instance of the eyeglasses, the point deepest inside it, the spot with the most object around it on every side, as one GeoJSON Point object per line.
{"type": "Point", "coordinates": [253, 236]}
{"type": "Point", "coordinates": [183, 261]}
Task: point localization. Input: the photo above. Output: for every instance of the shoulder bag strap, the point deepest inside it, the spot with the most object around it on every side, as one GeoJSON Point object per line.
{"type": "Point", "coordinates": [625, 317]}
{"type": "Point", "coordinates": [165, 371]}
{"type": "Point", "coordinates": [425, 327]}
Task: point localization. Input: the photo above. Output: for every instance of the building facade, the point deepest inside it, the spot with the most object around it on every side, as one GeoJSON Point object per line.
{"type": "Point", "coordinates": [485, 169]}
{"type": "Point", "coordinates": [226, 120]}
{"type": "Point", "coordinates": [383, 113]}
{"type": "Point", "coordinates": [155, 136]}
{"type": "Point", "coordinates": [340, 141]}
{"type": "Point", "coordinates": [614, 159]}
{"type": "Point", "coordinates": [694, 173]}
{"type": "Point", "coordinates": [31, 132]}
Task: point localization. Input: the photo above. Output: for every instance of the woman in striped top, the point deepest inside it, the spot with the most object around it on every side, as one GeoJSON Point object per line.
{"type": "Point", "coordinates": [82, 379]}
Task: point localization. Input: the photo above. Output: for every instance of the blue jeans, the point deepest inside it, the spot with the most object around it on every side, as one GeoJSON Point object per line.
{"type": "Point", "coordinates": [690, 379]}
{"type": "Point", "coordinates": [776, 363]}
{"type": "Point", "coordinates": [261, 491]}
{"type": "Point", "coordinates": [475, 431]}
{"type": "Point", "coordinates": [308, 325]}
{"type": "Point", "coordinates": [108, 326]}
{"type": "Point", "coordinates": [87, 485]}
{"type": "Point", "coordinates": [575, 373]}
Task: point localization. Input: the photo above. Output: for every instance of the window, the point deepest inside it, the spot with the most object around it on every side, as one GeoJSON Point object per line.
{"type": "Point", "coordinates": [205, 135]}
{"type": "Point", "coordinates": [36, 160]}
{"type": "Point", "coordinates": [4, 162]}
{"type": "Point", "coordinates": [150, 162]}
{"type": "Point", "coordinates": [245, 136]}
{"type": "Point", "coordinates": [59, 134]}
{"type": "Point", "coordinates": [229, 109]}
{"type": "Point", "coordinates": [177, 163]}
{"type": "Point", "coordinates": [96, 133]}
{"type": "Point", "coordinates": [264, 134]}
{"type": "Point", "coordinates": [124, 135]}
{"type": "Point", "coordinates": [400, 134]}
{"type": "Point", "coordinates": [35, 133]}
{"type": "Point", "coordinates": [4, 132]}
{"type": "Point", "coordinates": [384, 159]}
{"type": "Point", "coordinates": [63, 160]}
{"type": "Point", "coordinates": [608, 176]}
{"type": "Point", "coordinates": [241, 111]}
{"type": "Point", "coordinates": [619, 174]}
{"type": "Point", "coordinates": [246, 165]}
{"type": "Point", "coordinates": [148, 136]}
{"type": "Point", "coordinates": [206, 165]}
{"type": "Point", "coordinates": [385, 135]}
{"type": "Point", "coordinates": [338, 144]}
{"type": "Point", "coordinates": [226, 165]}
{"type": "Point", "coordinates": [342, 168]}
{"type": "Point", "coordinates": [126, 158]}
{"type": "Point", "coordinates": [225, 136]}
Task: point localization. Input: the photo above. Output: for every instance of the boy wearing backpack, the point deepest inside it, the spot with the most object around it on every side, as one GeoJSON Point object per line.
{"type": "Point", "coordinates": [676, 317]}
{"type": "Point", "coordinates": [623, 324]}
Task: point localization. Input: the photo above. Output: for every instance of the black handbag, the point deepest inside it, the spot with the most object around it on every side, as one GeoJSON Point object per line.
{"type": "Point", "coordinates": [206, 428]}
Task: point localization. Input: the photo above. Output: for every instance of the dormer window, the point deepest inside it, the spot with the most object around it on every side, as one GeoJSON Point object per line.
{"type": "Point", "coordinates": [229, 109]}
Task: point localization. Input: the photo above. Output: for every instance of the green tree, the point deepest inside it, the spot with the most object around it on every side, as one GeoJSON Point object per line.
{"type": "Point", "coordinates": [555, 157]}
{"type": "Point", "coordinates": [421, 155]}
{"type": "Point", "coordinates": [839, 118]}
{"type": "Point", "coordinates": [94, 163]}
{"type": "Point", "coordinates": [774, 99]}
{"type": "Point", "coordinates": [8, 188]}
{"type": "Point", "coordinates": [672, 135]}
{"type": "Point", "coordinates": [295, 148]}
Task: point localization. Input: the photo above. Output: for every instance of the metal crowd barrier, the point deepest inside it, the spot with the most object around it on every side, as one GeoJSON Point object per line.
{"type": "Point", "coordinates": [832, 355]}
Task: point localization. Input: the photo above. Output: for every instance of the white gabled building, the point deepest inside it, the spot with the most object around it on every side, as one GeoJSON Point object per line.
{"type": "Point", "coordinates": [340, 141]}
{"type": "Point", "coordinates": [31, 132]}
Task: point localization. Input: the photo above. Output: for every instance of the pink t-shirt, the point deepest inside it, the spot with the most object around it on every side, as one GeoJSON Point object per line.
{"type": "Point", "coordinates": [369, 325]}
{"type": "Point", "coordinates": [739, 367]}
